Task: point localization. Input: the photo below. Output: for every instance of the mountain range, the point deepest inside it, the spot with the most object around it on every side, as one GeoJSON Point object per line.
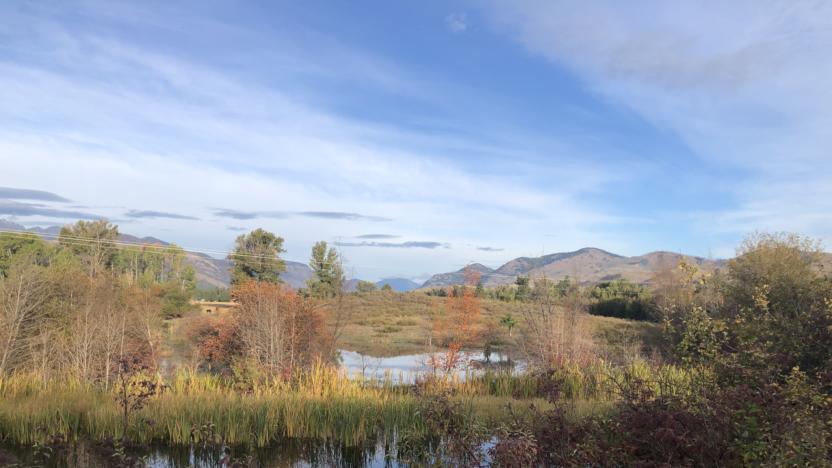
{"type": "Point", "coordinates": [587, 265]}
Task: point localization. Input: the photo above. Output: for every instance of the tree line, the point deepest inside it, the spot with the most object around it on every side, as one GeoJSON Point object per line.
{"type": "Point", "coordinates": [77, 307]}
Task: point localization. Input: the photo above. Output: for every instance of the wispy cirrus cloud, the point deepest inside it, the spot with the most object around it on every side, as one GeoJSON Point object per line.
{"type": "Point", "coordinates": [245, 215]}
{"type": "Point", "coordinates": [489, 249]}
{"type": "Point", "coordinates": [36, 209]}
{"type": "Point", "coordinates": [377, 236]}
{"type": "Point", "coordinates": [742, 84]}
{"type": "Point", "coordinates": [341, 215]}
{"type": "Point", "coordinates": [28, 194]}
{"type": "Point", "coordinates": [150, 214]}
{"type": "Point", "coordinates": [332, 215]}
{"type": "Point", "coordinates": [395, 245]}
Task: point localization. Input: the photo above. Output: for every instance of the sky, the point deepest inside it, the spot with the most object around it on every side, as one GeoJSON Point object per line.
{"type": "Point", "coordinates": [422, 136]}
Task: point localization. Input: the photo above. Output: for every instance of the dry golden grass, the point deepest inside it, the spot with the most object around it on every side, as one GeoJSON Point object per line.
{"type": "Point", "coordinates": [386, 324]}
{"type": "Point", "coordinates": [389, 324]}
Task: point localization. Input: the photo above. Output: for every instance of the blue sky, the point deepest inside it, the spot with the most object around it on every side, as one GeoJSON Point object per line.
{"type": "Point", "coordinates": [422, 136]}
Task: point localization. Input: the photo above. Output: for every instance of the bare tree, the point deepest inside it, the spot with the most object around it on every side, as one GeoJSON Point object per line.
{"type": "Point", "coordinates": [281, 331]}
{"type": "Point", "coordinates": [146, 310]}
{"type": "Point", "coordinates": [554, 328]}
{"type": "Point", "coordinates": [22, 294]}
{"type": "Point", "coordinates": [87, 321]}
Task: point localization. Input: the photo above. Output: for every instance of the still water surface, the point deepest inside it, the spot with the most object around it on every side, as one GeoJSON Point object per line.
{"type": "Point", "coordinates": [287, 452]}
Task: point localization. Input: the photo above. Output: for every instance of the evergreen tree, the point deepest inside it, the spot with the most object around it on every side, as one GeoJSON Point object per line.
{"type": "Point", "coordinates": [327, 274]}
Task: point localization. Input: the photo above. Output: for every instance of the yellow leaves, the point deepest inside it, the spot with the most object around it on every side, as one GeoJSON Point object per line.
{"type": "Point", "coordinates": [761, 294]}
{"type": "Point", "coordinates": [689, 270]}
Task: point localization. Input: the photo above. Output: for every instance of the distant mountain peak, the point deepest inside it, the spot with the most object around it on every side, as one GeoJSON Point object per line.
{"type": "Point", "coordinates": [477, 267]}
{"type": "Point", "coordinates": [399, 284]}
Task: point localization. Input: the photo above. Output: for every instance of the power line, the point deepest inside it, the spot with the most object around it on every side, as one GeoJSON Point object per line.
{"type": "Point", "coordinates": [120, 243]}
{"type": "Point", "coordinates": [138, 247]}
{"type": "Point", "coordinates": [166, 248]}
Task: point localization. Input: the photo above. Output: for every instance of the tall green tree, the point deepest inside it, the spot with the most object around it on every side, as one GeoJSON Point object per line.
{"type": "Point", "coordinates": [327, 273]}
{"type": "Point", "coordinates": [93, 242]}
{"type": "Point", "coordinates": [508, 321]}
{"type": "Point", "coordinates": [524, 290]}
{"type": "Point", "coordinates": [256, 256]}
{"type": "Point", "coordinates": [13, 244]}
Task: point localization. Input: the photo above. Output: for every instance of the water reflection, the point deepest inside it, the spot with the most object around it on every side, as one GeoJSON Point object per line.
{"type": "Point", "coordinates": [284, 453]}
{"type": "Point", "coordinates": [287, 452]}
{"type": "Point", "coordinates": [407, 368]}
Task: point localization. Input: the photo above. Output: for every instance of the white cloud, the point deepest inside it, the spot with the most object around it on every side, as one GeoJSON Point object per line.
{"type": "Point", "coordinates": [121, 126]}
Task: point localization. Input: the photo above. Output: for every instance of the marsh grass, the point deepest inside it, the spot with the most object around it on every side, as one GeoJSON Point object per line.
{"type": "Point", "coordinates": [320, 403]}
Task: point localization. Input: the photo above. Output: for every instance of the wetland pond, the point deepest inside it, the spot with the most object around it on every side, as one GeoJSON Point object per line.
{"type": "Point", "coordinates": [407, 368]}
{"type": "Point", "coordinates": [285, 452]}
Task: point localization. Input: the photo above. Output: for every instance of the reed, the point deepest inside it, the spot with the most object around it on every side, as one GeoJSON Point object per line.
{"type": "Point", "coordinates": [322, 402]}
{"type": "Point", "coordinates": [595, 380]}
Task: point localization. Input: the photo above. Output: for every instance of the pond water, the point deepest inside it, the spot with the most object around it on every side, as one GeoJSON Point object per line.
{"type": "Point", "coordinates": [295, 453]}
{"type": "Point", "coordinates": [285, 453]}
{"type": "Point", "coordinates": [407, 368]}
{"type": "Point", "coordinates": [288, 452]}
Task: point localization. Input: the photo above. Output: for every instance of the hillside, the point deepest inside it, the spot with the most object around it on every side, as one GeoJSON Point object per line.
{"type": "Point", "coordinates": [457, 277]}
{"type": "Point", "coordinates": [589, 265]}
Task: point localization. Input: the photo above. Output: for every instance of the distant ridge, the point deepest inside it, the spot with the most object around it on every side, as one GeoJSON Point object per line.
{"type": "Point", "coordinates": [458, 277]}
{"type": "Point", "coordinates": [588, 265]}
{"type": "Point", "coordinates": [399, 284]}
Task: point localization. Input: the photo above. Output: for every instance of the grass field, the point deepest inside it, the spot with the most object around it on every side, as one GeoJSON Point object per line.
{"type": "Point", "coordinates": [389, 324]}
{"type": "Point", "coordinates": [383, 324]}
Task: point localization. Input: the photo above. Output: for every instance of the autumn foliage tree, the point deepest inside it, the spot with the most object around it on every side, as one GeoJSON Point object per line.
{"type": "Point", "coordinates": [460, 323]}
{"type": "Point", "coordinates": [280, 330]}
{"type": "Point", "coordinates": [77, 307]}
{"type": "Point", "coordinates": [215, 342]}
